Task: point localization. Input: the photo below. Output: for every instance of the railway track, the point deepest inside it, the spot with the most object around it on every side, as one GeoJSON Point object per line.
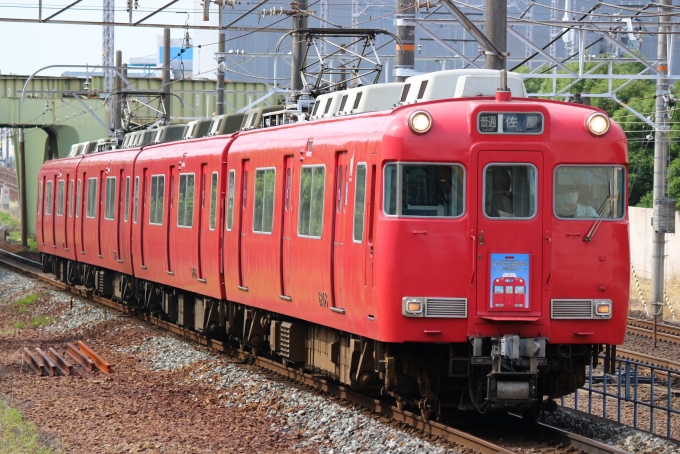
{"type": "Point", "coordinates": [645, 328]}
{"type": "Point", "coordinates": [556, 436]}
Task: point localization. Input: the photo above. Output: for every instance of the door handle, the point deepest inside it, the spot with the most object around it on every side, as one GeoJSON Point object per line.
{"type": "Point", "coordinates": [481, 237]}
{"type": "Point", "coordinates": [474, 257]}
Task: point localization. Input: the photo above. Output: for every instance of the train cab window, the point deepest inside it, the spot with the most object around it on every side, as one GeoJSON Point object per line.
{"type": "Point", "coordinates": [359, 203]}
{"type": "Point", "coordinates": [70, 199]}
{"type": "Point", "coordinates": [156, 199]}
{"type": "Point", "coordinates": [230, 200]}
{"type": "Point", "coordinates": [60, 197]}
{"type": "Point", "coordinates": [213, 200]}
{"type": "Point", "coordinates": [263, 214]}
{"type": "Point", "coordinates": [78, 200]}
{"type": "Point", "coordinates": [48, 198]}
{"type": "Point", "coordinates": [310, 214]}
{"type": "Point", "coordinates": [110, 198]}
{"type": "Point", "coordinates": [127, 199]}
{"type": "Point", "coordinates": [91, 197]}
{"type": "Point", "coordinates": [39, 196]}
{"type": "Point", "coordinates": [185, 201]}
{"type": "Point", "coordinates": [136, 201]}
{"type": "Point", "coordinates": [510, 191]}
{"type": "Point", "coordinates": [589, 192]}
{"type": "Point", "coordinates": [424, 190]}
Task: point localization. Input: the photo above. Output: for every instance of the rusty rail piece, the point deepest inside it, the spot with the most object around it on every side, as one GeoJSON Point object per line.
{"type": "Point", "coordinates": [79, 357]}
{"type": "Point", "coordinates": [98, 361]}
{"type": "Point", "coordinates": [64, 366]}
{"type": "Point", "coordinates": [50, 367]}
{"type": "Point", "coordinates": [34, 363]}
{"type": "Point", "coordinates": [429, 427]}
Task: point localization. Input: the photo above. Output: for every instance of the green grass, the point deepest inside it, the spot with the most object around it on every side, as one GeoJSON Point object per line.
{"type": "Point", "coordinates": [22, 304]}
{"type": "Point", "coordinates": [37, 322]}
{"type": "Point", "coordinates": [15, 236]}
{"type": "Point", "coordinates": [19, 325]}
{"type": "Point", "coordinates": [18, 435]}
{"type": "Point", "coordinates": [8, 220]}
{"type": "Point", "coordinates": [6, 332]}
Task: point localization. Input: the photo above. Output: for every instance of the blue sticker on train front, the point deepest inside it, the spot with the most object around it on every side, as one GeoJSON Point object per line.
{"type": "Point", "coordinates": [509, 280]}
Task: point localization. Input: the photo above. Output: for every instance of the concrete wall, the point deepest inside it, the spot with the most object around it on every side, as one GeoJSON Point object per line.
{"type": "Point", "coordinates": [641, 232]}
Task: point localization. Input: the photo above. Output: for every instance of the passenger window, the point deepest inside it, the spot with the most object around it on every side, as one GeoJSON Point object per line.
{"type": "Point", "coordinates": [91, 197]}
{"type": "Point", "coordinates": [70, 199]}
{"type": "Point", "coordinates": [590, 192]}
{"type": "Point", "coordinates": [263, 214]}
{"type": "Point", "coordinates": [48, 198]}
{"type": "Point", "coordinates": [110, 198]}
{"type": "Point", "coordinates": [213, 200]}
{"type": "Point", "coordinates": [78, 200]}
{"type": "Point", "coordinates": [60, 198]}
{"type": "Point", "coordinates": [156, 199]}
{"type": "Point", "coordinates": [510, 191]}
{"type": "Point", "coordinates": [136, 202]}
{"type": "Point", "coordinates": [424, 190]}
{"type": "Point", "coordinates": [310, 216]}
{"type": "Point", "coordinates": [359, 203]}
{"type": "Point", "coordinates": [185, 202]}
{"type": "Point", "coordinates": [230, 200]}
{"type": "Point", "coordinates": [127, 198]}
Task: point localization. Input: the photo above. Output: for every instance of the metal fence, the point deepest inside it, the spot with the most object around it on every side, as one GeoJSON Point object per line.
{"type": "Point", "coordinates": [641, 395]}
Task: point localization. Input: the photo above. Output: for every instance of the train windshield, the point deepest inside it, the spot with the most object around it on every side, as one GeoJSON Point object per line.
{"type": "Point", "coordinates": [589, 192]}
{"type": "Point", "coordinates": [424, 190]}
{"type": "Point", "coordinates": [510, 191]}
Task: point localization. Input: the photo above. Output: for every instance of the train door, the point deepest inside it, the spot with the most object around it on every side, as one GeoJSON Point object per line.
{"type": "Point", "coordinates": [41, 212]}
{"type": "Point", "coordinates": [172, 218]}
{"type": "Point", "coordinates": [509, 234]}
{"type": "Point", "coordinates": [243, 227]}
{"type": "Point", "coordinates": [119, 218]}
{"type": "Point", "coordinates": [99, 213]}
{"type": "Point", "coordinates": [201, 224]}
{"type": "Point", "coordinates": [286, 230]}
{"type": "Point", "coordinates": [339, 216]}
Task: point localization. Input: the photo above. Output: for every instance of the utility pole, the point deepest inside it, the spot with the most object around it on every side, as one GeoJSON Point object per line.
{"type": "Point", "coordinates": [404, 58]}
{"type": "Point", "coordinates": [22, 189]}
{"type": "Point", "coordinates": [117, 99]}
{"type": "Point", "coordinates": [496, 23]}
{"type": "Point", "coordinates": [166, 74]}
{"type": "Point", "coordinates": [107, 57]}
{"type": "Point", "coordinates": [299, 21]}
{"type": "Point", "coordinates": [661, 204]}
{"type": "Point", "coordinates": [221, 45]}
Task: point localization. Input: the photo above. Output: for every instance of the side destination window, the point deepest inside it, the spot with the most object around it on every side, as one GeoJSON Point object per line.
{"type": "Point", "coordinates": [127, 198]}
{"type": "Point", "coordinates": [110, 198]}
{"type": "Point", "coordinates": [230, 201]}
{"type": "Point", "coordinates": [263, 214]}
{"type": "Point", "coordinates": [91, 197]}
{"type": "Point", "coordinates": [185, 202]}
{"type": "Point", "coordinates": [213, 200]}
{"type": "Point", "coordinates": [359, 203]}
{"type": "Point", "coordinates": [156, 199]}
{"type": "Point", "coordinates": [48, 198]}
{"type": "Point", "coordinates": [310, 214]}
{"type": "Point", "coordinates": [60, 197]}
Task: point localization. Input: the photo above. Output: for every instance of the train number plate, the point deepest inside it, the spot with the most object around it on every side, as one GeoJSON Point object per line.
{"type": "Point", "coordinates": [510, 123]}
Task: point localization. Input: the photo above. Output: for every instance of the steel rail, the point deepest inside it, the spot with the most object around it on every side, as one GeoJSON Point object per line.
{"type": "Point", "coordinates": [645, 328]}
{"type": "Point", "coordinates": [569, 440]}
{"type": "Point", "coordinates": [647, 359]}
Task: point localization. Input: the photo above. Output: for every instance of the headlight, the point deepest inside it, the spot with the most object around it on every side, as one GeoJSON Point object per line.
{"type": "Point", "coordinates": [412, 307]}
{"type": "Point", "coordinates": [598, 124]}
{"type": "Point", "coordinates": [420, 122]}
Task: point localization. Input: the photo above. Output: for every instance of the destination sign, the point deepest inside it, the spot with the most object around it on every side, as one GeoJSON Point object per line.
{"type": "Point", "coordinates": [510, 123]}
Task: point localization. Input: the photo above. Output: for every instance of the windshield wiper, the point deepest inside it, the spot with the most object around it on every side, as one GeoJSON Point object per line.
{"type": "Point", "coordinates": [596, 224]}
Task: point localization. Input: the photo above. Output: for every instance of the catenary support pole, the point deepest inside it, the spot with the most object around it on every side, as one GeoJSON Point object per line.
{"type": "Point", "coordinates": [660, 156]}
{"type": "Point", "coordinates": [496, 23]}
{"type": "Point", "coordinates": [22, 189]}
{"type": "Point", "coordinates": [221, 45]}
{"type": "Point", "coordinates": [404, 58]}
{"type": "Point", "coordinates": [299, 21]}
{"type": "Point", "coordinates": [117, 98]}
{"type": "Point", "coordinates": [166, 74]}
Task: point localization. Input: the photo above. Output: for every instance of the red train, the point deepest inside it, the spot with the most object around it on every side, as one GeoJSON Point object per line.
{"type": "Point", "coordinates": [373, 246]}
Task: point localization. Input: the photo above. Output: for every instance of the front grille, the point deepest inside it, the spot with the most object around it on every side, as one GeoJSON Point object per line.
{"type": "Point", "coordinates": [571, 309]}
{"type": "Point", "coordinates": [446, 307]}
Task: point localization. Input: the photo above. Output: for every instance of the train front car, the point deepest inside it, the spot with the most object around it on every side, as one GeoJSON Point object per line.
{"type": "Point", "coordinates": [502, 254]}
